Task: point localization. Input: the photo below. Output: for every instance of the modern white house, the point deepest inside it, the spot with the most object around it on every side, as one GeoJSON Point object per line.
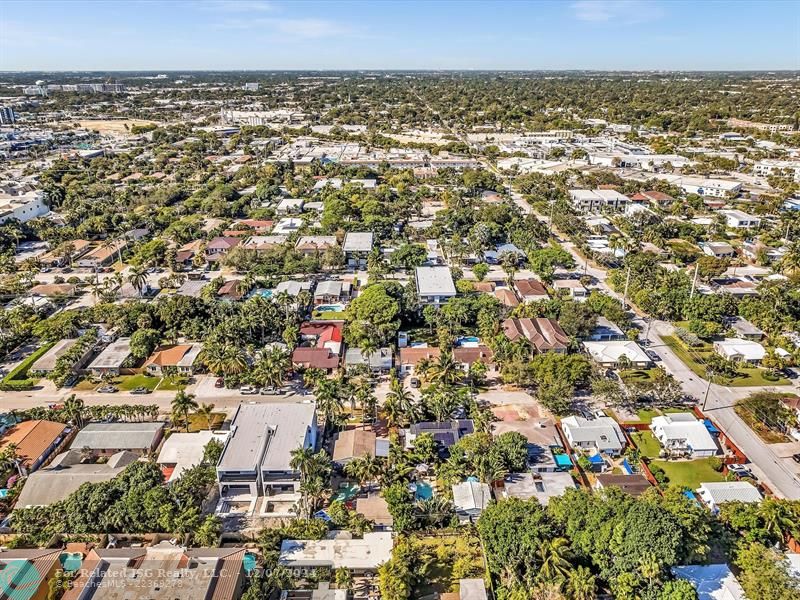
{"type": "Point", "coordinates": [737, 219]}
{"type": "Point", "coordinates": [341, 551]}
{"type": "Point", "coordinates": [715, 493]}
{"type": "Point", "coordinates": [22, 207]}
{"type": "Point", "coordinates": [434, 285]}
{"type": "Point", "coordinates": [255, 460]}
{"type": "Point", "coordinates": [597, 200]}
{"type": "Point", "coordinates": [356, 247]}
{"type": "Point", "coordinates": [683, 433]}
{"type": "Point", "coordinates": [600, 434]}
{"type": "Point", "coordinates": [738, 350]}
{"type": "Point", "coordinates": [712, 582]}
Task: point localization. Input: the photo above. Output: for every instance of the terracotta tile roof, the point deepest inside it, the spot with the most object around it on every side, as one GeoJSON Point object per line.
{"type": "Point", "coordinates": [32, 439]}
{"type": "Point", "coordinates": [223, 243]}
{"type": "Point", "coordinates": [468, 356]}
{"type": "Point", "coordinates": [507, 297]}
{"type": "Point", "coordinates": [168, 356]}
{"type": "Point", "coordinates": [544, 334]}
{"type": "Point", "coordinates": [412, 356]}
{"type": "Point", "coordinates": [486, 287]}
{"type": "Point", "coordinates": [530, 287]}
{"type": "Point", "coordinates": [318, 358]}
{"type": "Point", "coordinates": [354, 443]}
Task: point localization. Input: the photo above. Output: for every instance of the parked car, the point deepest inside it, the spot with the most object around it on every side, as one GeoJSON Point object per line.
{"type": "Point", "coordinates": [415, 383]}
{"type": "Point", "coordinates": [248, 390]}
{"type": "Point", "coordinates": [107, 389]}
{"type": "Point", "coordinates": [740, 471]}
{"type": "Point", "coordinates": [269, 391]}
{"type": "Point", "coordinates": [140, 390]}
{"type": "Point", "coordinates": [796, 458]}
{"type": "Point", "coordinates": [653, 355]}
{"type": "Point", "coordinates": [220, 382]}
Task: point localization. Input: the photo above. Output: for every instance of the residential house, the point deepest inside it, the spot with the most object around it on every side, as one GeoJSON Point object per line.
{"type": "Point", "coordinates": [332, 291]}
{"type": "Point", "coordinates": [380, 361]}
{"type": "Point", "coordinates": [465, 356]}
{"type": "Point", "coordinates": [506, 296]}
{"type": "Point", "coordinates": [46, 363]}
{"type": "Point", "coordinates": [737, 219]}
{"type": "Point", "coordinates": [56, 258]}
{"type": "Point", "coordinates": [315, 358]}
{"type": "Point", "coordinates": [323, 334]}
{"type": "Point", "coordinates": [738, 350]}
{"type": "Point", "coordinates": [182, 451]}
{"type": "Point", "coordinates": [233, 289]}
{"type": "Point", "coordinates": [66, 474]}
{"type": "Point", "coordinates": [634, 485]}
{"type": "Point", "coordinates": [745, 329]}
{"type": "Point", "coordinates": [598, 200]}
{"type": "Point", "coordinates": [293, 206]}
{"type": "Point", "coordinates": [736, 287]}
{"type": "Point", "coordinates": [220, 246]}
{"type": "Point", "coordinates": [103, 255]}
{"type": "Point", "coordinates": [715, 493]}
{"type": "Point", "coordinates": [53, 290]}
{"type": "Point", "coordinates": [616, 353]}
{"type": "Point", "coordinates": [293, 288]}
{"type": "Point", "coordinates": [444, 433]}
{"type": "Point", "coordinates": [606, 331]}
{"type": "Point", "coordinates": [358, 443]}
{"type": "Point", "coordinates": [572, 287]}
{"type": "Point", "coordinates": [545, 335]}
{"type": "Point", "coordinates": [166, 570]}
{"type": "Point", "coordinates": [597, 435]}
{"type": "Point", "coordinates": [410, 357]}
{"type": "Point", "coordinates": [310, 245]}
{"type": "Point", "coordinates": [470, 499]}
{"type": "Point", "coordinates": [718, 249]}
{"type": "Point", "coordinates": [541, 486]}
{"type": "Point", "coordinates": [360, 556]}
{"type": "Point", "coordinates": [356, 247]}
{"type": "Point", "coordinates": [287, 226]}
{"type": "Point", "coordinates": [180, 358]}
{"type": "Point", "coordinates": [434, 285]}
{"type": "Point", "coordinates": [256, 459]}
{"type": "Point", "coordinates": [374, 508]}
{"type": "Point", "coordinates": [105, 439]}
{"type": "Point", "coordinates": [657, 198]}
{"type": "Point", "coordinates": [111, 359]}
{"type": "Point", "coordinates": [684, 434]}
{"type": "Point", "coordinates": [35, 442]}
{"type": "Point", "coordinates": [263, 243]}
{"type": "Point", "coordinates": [186, 254]}
{"type": "Point", "coordinates": [531, 290]}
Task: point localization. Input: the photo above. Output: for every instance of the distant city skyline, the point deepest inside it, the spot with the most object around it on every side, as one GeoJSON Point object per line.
{"type": "Point", "coordinates": [267, 35]}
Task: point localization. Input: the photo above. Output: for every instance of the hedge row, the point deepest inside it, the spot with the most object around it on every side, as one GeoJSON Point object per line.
{"type": "Point", "coordinates": [17, 379]}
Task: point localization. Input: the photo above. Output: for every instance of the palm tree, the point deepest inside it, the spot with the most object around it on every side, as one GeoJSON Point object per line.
{"type": "Point", "coordinates": [205, 411]}
{"type": "Point", "coordinates": [364, 469]}
{"type": "Point", "coordinates": [329, 402]}
{"type": "Point", "coordinates": [434, 511]}
{"type": "Point", "coordinates": [778, 518]}
{"type": "Point", "coordinates": [138, 278]}
{"type": "Point", "coordinates": [399, 405]}
{"type": "Point", "coordinates": [581, 584]}
{"type": "Point", "coordinates": [553, 559]}
{"type": "Point", "coordinates": [790, 263]}
{"type": "Point", "coordinates": [74, 410]}
{"type": "Point", "coordinates": [445, 370]}
{"type": "Point", "coordinates": [182, 405]}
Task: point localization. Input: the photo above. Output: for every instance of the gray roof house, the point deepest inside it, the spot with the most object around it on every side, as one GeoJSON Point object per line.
{"type": "Point", "coordinates": [110, 438]}
{"type": "Point", "coordinates": [434, 285]}
{"type": "Point", "coordinates": [111, 359]}
{"type": "Point", "coordinates": [601, 434]}
{"type": "Point", "coordinates": [380, 361]}
{"type": "Point", "coordinates": [470, 498]}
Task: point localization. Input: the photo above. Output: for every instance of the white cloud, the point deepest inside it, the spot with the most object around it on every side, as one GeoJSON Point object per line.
{"type": "Point", "coordinates": [306, 28]}
{"type": "Point", "coordinates": [625, 12]}
{"type": "Point", "coordinates": [237, 6]}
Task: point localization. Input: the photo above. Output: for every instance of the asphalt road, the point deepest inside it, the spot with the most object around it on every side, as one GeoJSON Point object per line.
{"type": "Point", "coordinates": [776, 472]}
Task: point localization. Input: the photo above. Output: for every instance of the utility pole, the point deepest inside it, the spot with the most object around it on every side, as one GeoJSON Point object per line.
{"type": "Point", "coordinates": [625, 294]}
{"type": "Point", "coordinates": [710, 375]}
{"type": "Point", "coordinates": [694, 281]}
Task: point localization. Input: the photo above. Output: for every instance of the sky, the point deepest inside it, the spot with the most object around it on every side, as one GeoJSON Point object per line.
{"type": "Point", "coordinates": [387, 34]}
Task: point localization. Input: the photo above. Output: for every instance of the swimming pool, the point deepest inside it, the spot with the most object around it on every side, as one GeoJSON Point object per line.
{"type": "Point", "coordinates": [265, 293]}
{"type": "Point", "coordinates": [330, 308]}
{"type": "Point", "coordinates": [250, 562]}
{"type": "Point", "coordinates": [422, 490]}
{"type": "Point", "coordinates": [71, 561]}
{"type": "Point", "coordinates": [468, 341]}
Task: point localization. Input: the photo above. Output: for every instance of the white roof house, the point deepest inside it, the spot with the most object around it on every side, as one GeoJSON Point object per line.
{"type": "Point", "coordinates": [541, 486]}
{"type": "Point", "coordinates": [434, 284]}
{"type": "Point", "coordinates": [740, 350]}
{"type": "Point", "coordinates": [182, 451]}
{"type": "Point", "coordinates": [712, 582]}
{"type": "Point", "coordinates": [358, 241]}
{"type": "Point", "coordinates": [365, 554]}
{"type": "Point", "coordinates": [719, 492]}
{"type": "Point", "coordinates": [683, 433]}
{"type": "Point", "coordinates": [739, 219]}
{"type": "Point", "coordinates": [287, 225]}
{"type": "Point", "coordinates": [608, 353]}
{"type": "Point", "coordinates": [601, 434]}
{"type": "Point", "coordinates": [470, 498]}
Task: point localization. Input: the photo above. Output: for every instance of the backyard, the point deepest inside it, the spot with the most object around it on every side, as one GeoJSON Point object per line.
{"type": "Point", "coordinates": [199, 423]}
{"type": "Point", "coordinates": [689, 473]}
{"type": "Point", "coordinates": [694, 359]}
{"type": "Point", "coordinates": [647, 443]}
{"type": "Point", "coordinates": [452, 557]}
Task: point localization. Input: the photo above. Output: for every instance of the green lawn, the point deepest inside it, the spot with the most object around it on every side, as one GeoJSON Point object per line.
{"type": "Point", "coordinates": [646, 414]}
{"type": "Point", "coordinates": [750, 376]}
{"type": "Point", "coordinates": [647, 443]}
{"type": "Point", "coordinates": [689, 473]}
{"type": "Point", "coordinates": [330, 315]}
{"type": "Point", "coordinates": [130, 382]}
{"type": "Point", "coordinates": [171, 386]}
{"type": "Point", "coordinates": [639, 375]}
{"type": "Point", "coordinates": [198, 423]}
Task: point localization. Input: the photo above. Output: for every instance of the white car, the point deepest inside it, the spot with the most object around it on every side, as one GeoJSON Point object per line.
{"type": "Point", "coordinates": [248, 390]}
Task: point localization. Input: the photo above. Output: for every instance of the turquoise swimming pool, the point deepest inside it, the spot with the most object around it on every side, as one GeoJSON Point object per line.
{"type": "Point", "coordinates": [422, 490]}
{"type": "Point", "coordinates": [250, 562]}
{"type": "Point", "coordinates": [71, 561]}
{"type": "Point", "coordinates": [266, 293]}
{"type": "Point", "coordinates": [330, 308]}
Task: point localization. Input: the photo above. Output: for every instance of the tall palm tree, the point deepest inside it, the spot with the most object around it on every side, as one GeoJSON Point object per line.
{"type": "Point", "coordinates": [329, 401]}
{"type": "Point", "coordinates": [364, 469]}
{"type": "Point", "coordinates": [581, 584]}
{"type": "Point", "coordinates": [182, 405]}
{"type": "Point", "coordinates": [138, 278]}
{"type": "Point", "coordinates": [553, 559]}
{"type": "Point", "coordinates": [790, 263]}
{"type": "Point", "coordinates": [399, 403]}
{"type": "Point", "coordinates": [74, 410]}
{"type": "Point", "coordinates": [445, 370]}
{"type": "Point", "coordinates": [779, 519]}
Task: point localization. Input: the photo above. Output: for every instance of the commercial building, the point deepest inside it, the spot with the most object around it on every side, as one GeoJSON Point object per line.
{"type": "Point", "coordinates": [598, 200]}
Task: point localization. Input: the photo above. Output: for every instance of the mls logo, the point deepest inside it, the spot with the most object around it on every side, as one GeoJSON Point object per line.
{"type": "Point", "coordinates": [19, 579]}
